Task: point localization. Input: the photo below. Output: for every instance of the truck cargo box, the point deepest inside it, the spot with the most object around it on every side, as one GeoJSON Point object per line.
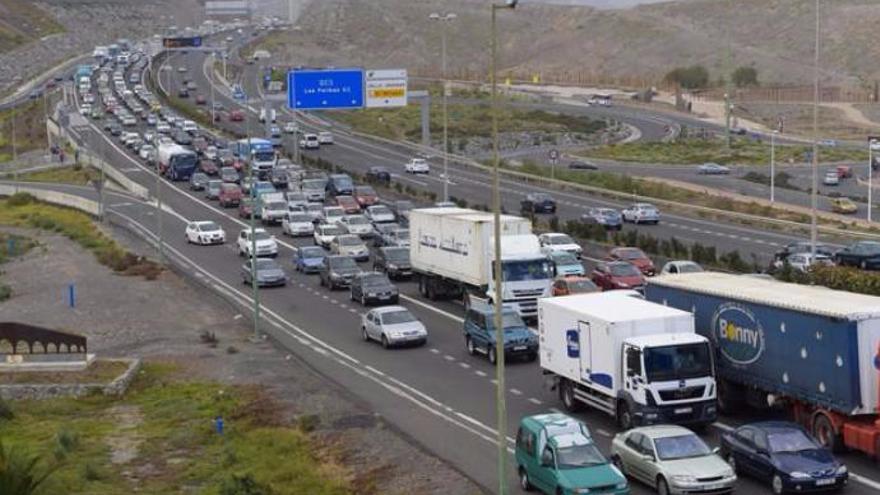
{"type": "Point", "coordinates": [456, 243]}
{"type": "Point", "coordinates": [812, 344]}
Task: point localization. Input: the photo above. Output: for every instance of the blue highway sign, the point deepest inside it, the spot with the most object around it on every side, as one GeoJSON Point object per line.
{"type": "Point", "coordinates": [325, 89]}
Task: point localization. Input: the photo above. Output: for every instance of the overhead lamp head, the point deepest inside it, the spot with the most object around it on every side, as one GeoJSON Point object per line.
{"type": "Point", "coordinates": [511, 3]}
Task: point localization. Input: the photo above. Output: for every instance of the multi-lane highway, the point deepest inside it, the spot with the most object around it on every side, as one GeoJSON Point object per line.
{"type": "Point", "coordinates": [437, 394]}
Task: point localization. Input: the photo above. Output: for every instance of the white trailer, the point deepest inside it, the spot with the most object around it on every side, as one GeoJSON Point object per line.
{"type": "Point", "coordinates": [452, 253]}
{"type": "Point", "coordinates": [638, 361]}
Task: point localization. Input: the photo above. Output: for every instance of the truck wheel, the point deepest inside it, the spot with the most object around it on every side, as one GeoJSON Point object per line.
{"type": "Point", "coordinates": [824, 432]}
{"type": "Point", "coordinates": [624, 417]}
{"type": "Point", "coordinates": [524, 482]}
{"type": "Point", "coordinates": [566, 395]}
{"type": "Point", "coordinates": [493, 359]}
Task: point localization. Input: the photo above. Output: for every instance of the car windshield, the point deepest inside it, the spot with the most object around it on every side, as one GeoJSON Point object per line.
{"type": "Point", "coordinates": [358, 220]}
{"type": "Point", "coordinates": [311, 252]}
{"type": "Point", "coordinates": [214, 184]}
{"type": "Point", "coordinates": [630, 254]}
{"type": "Point", "coordinates": [606, 213]}
{"type": "Point", "coordinates": [677, 362]}
{"type": "Point", "coordinates": [313, 184]}
{"type": "Point", "coordinates": [330, 230]}
{"type": "Point", "coordinates": [343, 262]}
{"type": "Point", "coordinates": [680, 447]}
{"type": "Point", "coordinates": [689, 268]}
{"type": "Point", "coordinates": [509, 320]}
{"type": "Point", "coordinates": [623, 270]}
{"type": "Point", "coordinates": [349, 240]}
{"type": "Point", "coordinates": [578, 456]}
{"type": "Point", "coordinates": [262, 236]}
{"type": "Point", "coordinates": [541, 197]}
{"type": "Point", "coordinates": [518, 271]}
{"type": "Point", "coordinates": [870, 248]}
{"type": "Point", "coordinates": [315, 209]}
{"type": "Point", "coordinates": [397, 254]}
{"type": "Point", "coordinates": [379, 210]}
{"type": "Point", "coordinates": [375, 280]}
{"type": "Point", "coordinates": [334, 212]}
{"type": "Point", "coordinates": [365, 191]}
{"type": "Point", "coordinates": [582, 285]}
{"type": "Point", "coordinates": [276, 205]}
{"type": "Point", "coordinates": [397, 317]}
{"type": "Point", "coordinates": [342, 182]}
{"type": "Point", "coordinates": [208, 227]}
{"type": "Point", "coordinates": [264, 264]}
{"type": "Point", "coordinates": [564, 258]}
{"type": "Point", "coordinates": [300, 219]}
{"type": "Point", "coordinates": [790, 441]}
{"type": "Point", "coordinates": [559, 239]}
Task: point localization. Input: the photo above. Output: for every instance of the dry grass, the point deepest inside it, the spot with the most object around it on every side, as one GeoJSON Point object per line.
{"type": "Point", "coordinates": [21, 22]}
{"type": "Point", "coordinates": [100, 371]}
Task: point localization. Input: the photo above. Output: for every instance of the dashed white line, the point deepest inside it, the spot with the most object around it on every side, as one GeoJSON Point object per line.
{"type": "Point", "coordinates": [480, 373]}
{"type": "Point", "coordinates": [435, 351]}
{"type": "Point", "coordinates": [515, 391]}
{"type": "Point", "coordinates": [535, 401]}
{"type": "Point", "coordinates": [464, 365]}
{"type": "Point", "coordinates": [448, 358]}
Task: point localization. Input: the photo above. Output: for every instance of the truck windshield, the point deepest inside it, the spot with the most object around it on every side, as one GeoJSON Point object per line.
{"type": "Point", "coordinates": [186, 160]}
{"type": "Point", "coordinates": [677, 362]}
{"type": "Point", "coordinates": [519, 271]}
{"type": "Point", "coordinates": [578, 456]}
{"type": "Point", "coordinates": [264, 156]}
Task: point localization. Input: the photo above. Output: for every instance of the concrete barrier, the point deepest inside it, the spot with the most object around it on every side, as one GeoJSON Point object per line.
{"type": "Point", "coordinates": [54, 197]}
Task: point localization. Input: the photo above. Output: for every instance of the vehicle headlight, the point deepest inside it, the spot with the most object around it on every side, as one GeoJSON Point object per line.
{"type": "Point", "coordinates": [650, 416]}
{"type": "Point", "coordinates": [684, 478]}
{"type": "Point", "coordinates": [581, 490]}
{"type": "Point", "coordinates": [842, 469]}
{"type": "Point", "coordinates": [728, 474]}
{"type": "Point", "coordinates": [621, 486]}
{"type": "Point", "coordinates": [392, 266]}
{"type": "Point", "coordinates": [371, 294]}
{"type": "Point", "coordinates": [799, 474]}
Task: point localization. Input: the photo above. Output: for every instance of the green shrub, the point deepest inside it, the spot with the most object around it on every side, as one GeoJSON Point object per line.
{"type": "Point", "coordinates": [5, 292]}
{"type": "Point", "coordinates": [243, 485]}
{"type": "Point", "coordinates": [6, 412]}
{"type": "Point", "coordinates": [20, 199]}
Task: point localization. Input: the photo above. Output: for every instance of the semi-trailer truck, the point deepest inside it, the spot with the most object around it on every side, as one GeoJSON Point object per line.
{"type": "Point", "coordinates": [452, 253]}
{"type": "Point", "coordinates": [811, 350]}
{"type": "Point", "coordinates": [176, 162]}
{"type": "Point", "coordinates": [641, 363]}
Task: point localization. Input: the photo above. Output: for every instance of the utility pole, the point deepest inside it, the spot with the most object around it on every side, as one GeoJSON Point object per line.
{"type": "Point", "coordinates": [444, 20]}
{"type": "Point", "coordinates": [159, 213]}
{"type": "Point", "coordinates": [773, 166]}
{"type": "Point", "coordinates": [498, 300]}
{"type": "Point", "coordinates": [211, 83]}
{"type": "Point", "coordinates": [728, 88]}
{"type": "Point", "coordinates": [253, 194]}
{"type": "Point", "coordinates": [815, 190]}
{"type": "Point", "coordinates": [870, 176]}
{"type": "Point", "coordinates": [14, 152]}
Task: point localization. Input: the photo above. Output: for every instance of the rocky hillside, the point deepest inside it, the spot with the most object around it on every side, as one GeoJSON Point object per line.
{"type": "Point", "coordinates": [776, 36]}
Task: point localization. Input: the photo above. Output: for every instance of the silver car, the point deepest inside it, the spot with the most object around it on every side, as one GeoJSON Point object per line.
{"type": "Point", "coordinates": [672, 459]}
{"type": "Point", "coordinates": [393, 325]}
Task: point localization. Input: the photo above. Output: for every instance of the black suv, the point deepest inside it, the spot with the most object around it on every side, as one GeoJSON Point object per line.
{"type": "Point", "coordinates": [337, 271]}
{"type": "Point", "coordinates": [379, 174]}
{"type": "Point", "coordinates": [394, 261]}
{"type": "Point", "coordinates": [373, 288]}
{"type": "Point", "coordinates": [538, 203]}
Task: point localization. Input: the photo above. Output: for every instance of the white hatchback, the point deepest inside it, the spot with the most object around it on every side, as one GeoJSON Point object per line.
{"type": "Point", "coordinates": [205, 232]}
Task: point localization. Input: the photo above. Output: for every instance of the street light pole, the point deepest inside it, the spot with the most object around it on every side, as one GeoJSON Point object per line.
{"type": "Point", "coordinates": [870, 177]}
{"type": "Point", "coordinates": [773, 166]}
{"type": "Point", "coordinates": [254, 284]}
{"type": "Point", "coordinates": [211, 83]}
{"type": "Point", "coordinates": [501, 403]}
{"type": "Point", "coordinates": [444, 19]}
{"type": "Point", "coordinates": [815, 189]}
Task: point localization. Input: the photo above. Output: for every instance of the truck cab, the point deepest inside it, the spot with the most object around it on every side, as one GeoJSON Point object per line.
{"type": "Point", "coordinates": [480, 338]}
{"type": "Point", "coordinates": [526, 272]}
{"type": "Point", "coordinates": [556, 454]}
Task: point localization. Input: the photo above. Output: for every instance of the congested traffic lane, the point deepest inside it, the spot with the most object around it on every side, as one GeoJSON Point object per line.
{"type": "Point", "coordinates": [455, 387]}
{"type": "Point", "coordinates": [358, 154]}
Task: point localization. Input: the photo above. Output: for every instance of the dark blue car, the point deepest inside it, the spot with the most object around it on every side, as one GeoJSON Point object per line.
{"type": "Point", "coordinates": [784, 455]}
{"type": "Point", "coordinates": [606, 217]}
{"type": "Point", "coordinates": [307, 259]}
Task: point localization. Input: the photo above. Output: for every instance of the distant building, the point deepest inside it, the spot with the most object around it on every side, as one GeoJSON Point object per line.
{"type": "Point", "coordinates": [229, 8]}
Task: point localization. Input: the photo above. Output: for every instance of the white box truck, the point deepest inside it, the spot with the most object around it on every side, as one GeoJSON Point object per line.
{"type": "Point", "coordinates": [452, 253]}
{"type": "Point", "coordinates": [640, 362]}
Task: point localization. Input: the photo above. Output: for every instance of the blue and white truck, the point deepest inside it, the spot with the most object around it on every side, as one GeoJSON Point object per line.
{"type": "Point", "coordinates": [639, 362]}
{"type": "Point", "coordinates": [256, 153]}
{"type": "Point", "coordinates": [176, 162]}
{"type": "Point", "coordinates": [812, 350]}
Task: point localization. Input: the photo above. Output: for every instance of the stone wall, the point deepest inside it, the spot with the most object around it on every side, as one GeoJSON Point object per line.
{"type": "Point", "coordinates": [51, 391]}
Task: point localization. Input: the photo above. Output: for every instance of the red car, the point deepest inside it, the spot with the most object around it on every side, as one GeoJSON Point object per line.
{"type": "Point", "coordinates": [245, 207]}
{"type": "Point", "coordinates": [617, 275]}
{"type": "Point", "coordinates": [200, 100]}
{"type": "Point", "coordinates": [236, 116]}
{"type": "Point", "coordinates": [348, 204]}
{"type": "Point", "coordinates": [230, 195]}
{"type": "Point", "coordinates": [208, 166]}
{"type": "Point", "coordinates": [365, 196]}
{"type": "Point", "coordinates": [634, 256]}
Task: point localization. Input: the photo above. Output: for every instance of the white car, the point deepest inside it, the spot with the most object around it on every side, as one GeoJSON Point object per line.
{"type": "Point", "coordinates": [802, 262]}
{"type": "Point", "coordinates": [392, 325]}
{"type": "Point", "coordinates": [380, 214]}
{"type": "Point", "coordinates": [641, 213]}
{"type": "Point", "coordinates": [146, 151]}
{"type": "Point", "coordinates": [325, 138]}
{"type": "Point", "coordinates": [333, 214]}
{"type": "Point", "coordinates": [325, 233]}
{"type": "Point", "coordinates": [205, 232]}
{"type": "Point", "coordinates": [163, 127]}
{"type": "Point", "coordinates": [356, 224]}
{"type": "Point", "coordinates": [309, 142]}
{"type": "Point", "coordinates": [555, 242]}
{"type": "Point", "coordinates": [298, 224]}
{"type": "Point", "coordinates": [190, 126]}
{"type": "Point", "coordinates": [684, 266]}
{"type": "Point", "coordinates": [266, 245]}
{"type": "Point", "coordinates": [831, 178]}
{"type": "Point", "coordinates": [350, 245]}
{"type": "Point", "coordinates": [290, 128]}
{"type": "Point", "coordinates": [417, 166]}
{"type": "Point", "coordinates": [85, 109]}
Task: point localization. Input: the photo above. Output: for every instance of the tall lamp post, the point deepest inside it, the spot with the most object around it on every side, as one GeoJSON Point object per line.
{"type": "Point", "coordinates": [501, 404]}
{"type": "Point", "coordinates": [253, 194]}
{"type": "Point", "coordinates": [444, 20]}
{"type": "Point", "coordinates": [872, 141]}
{"type": "Point", "coordinates": [773, 166]}
{"type": "Point", "coordinates": [815, 162]}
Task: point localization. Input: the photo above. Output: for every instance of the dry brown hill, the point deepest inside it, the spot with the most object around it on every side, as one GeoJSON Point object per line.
{"type": "Point", "coordinates": [776, 36]}
{"type": "Point", "coordinates": [21, 21]}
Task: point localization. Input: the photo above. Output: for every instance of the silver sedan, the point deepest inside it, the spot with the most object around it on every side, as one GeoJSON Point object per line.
{"type": "Point", "coordinates": [392, 326]}
{"type": "Point", "coordinates": [672, 459]}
